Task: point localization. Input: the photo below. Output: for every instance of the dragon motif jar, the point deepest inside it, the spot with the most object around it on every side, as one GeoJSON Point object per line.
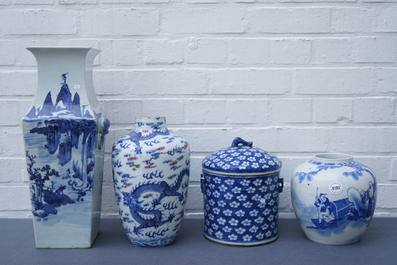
{"type": "Point", "coordinates": [151, 179]}
{"type": "Point", "coordinates": [334, 198]}
{"type": "Point", "coordinates": [241, 187]}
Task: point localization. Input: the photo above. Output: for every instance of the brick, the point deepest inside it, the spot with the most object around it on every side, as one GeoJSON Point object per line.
{"type": "Point", "coordinates": [205, 111]}
{"type": "Point", "coordinates": [336, 50]}
{"type": "Point", "coordinates": [249, 51]}
{"type": "Point", "coordinates": [12, 166]}
{"type": "Point", "coordinates": [386, 80]}
{"type": "Point", "coordinates": [377, 110]}
{"type": "Point", "coordinates": [290, 51]}
{"type": "Point", "coordinates": [163, 51]}
{"type": "Point", "coordinates": [386, 196]}
{"type": "Point", "coordinates": [281, 139]}
{"type": "Point", "coordinates": [7, 52]}
{"type": "Point", "coordinates": [172, 109]}
{"type": "Point", "coordinates": [296, 1]}
{"type": "Point", "coordinates": [351, 20]}
{"type": "Point", "coordinates": [333, 110]}
{"type": "Point", "coordinates": [35, 2]}
{"type": "Point", "coordinates": [284, 204]}
{"type": "Point", "coordinates": [292, 139]}
{"type": "Point", "coordinates": [108, 167]}
{"type": "Point", "coordinates": [9, 112]}
{"type": "Point", "coordinates": [150, 82]}
{"type": "Point", "coordinates": [384, 19]}
{"type": "Point", "coordinates": [247, 111]}
{"type": "Point", "coordinates": [375, 50]}
{"type": "Point", "coordinates": [196, 167]}
{"type": "Point", "coordinates": [209, 140]}
{"type": "Point", "coordinates": [358, 20]}
{"type": "Point", "coordinates": [167, 82]}
{"type": "Point", "coordinates": [121, 53]}
{"type": "Point", "coordinates": [363, 139]}
{"type": "Point", "coordinates": [77, 2]}
{"type": "Point", "coordinates": [11, 141]}
{"type": "Point", "coordinates": [5, 2]}
{"type": "Point", "coordinates": [109, 203]}
{"type": "Point", "coordinates": [203, 20]}
{"type": "Point", "coordinates": [133, 1]}
{"type": "Point", "coordinates": [334, 81]}
{"type": "Point", "coordinates": [251, 81]}
{"type": "Point", "coordinates": [15, 83]}
{"type": "Point", "coordinates": [291, 110]}
{"type": "Point", "coordinates": [10, 202]}
{"type": "Point", "coordinates": [393, 174]}
{"type": "Point", "coordinates": [25, 57]}
{"type": "Point", "coordinates": [122, 111]}
{"type": "Point", "coordinates": [204, 1]}
{"type": "Point", "coordinates": [95, 22]}
{"type": "Point", "coordinates": [38, 22]}
{"type": "Point", "coordinates": [290, 20]}
{"type": "Point", "coordinates": [110, 83]}
{"type": "Point", "coordinates": [374, 1]}
{"type": "Point", "coordinates": [194, 198]}
{"type": "Point", "coordinates": [207, 51]}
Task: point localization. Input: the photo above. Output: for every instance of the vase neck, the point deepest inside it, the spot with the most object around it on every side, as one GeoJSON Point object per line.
{"type": "Point", "coordinates": [148, 123]}
{"type": "Point", "coordinates": [333, 158]}
{"type": "Point", "coordinates": [65, 84]}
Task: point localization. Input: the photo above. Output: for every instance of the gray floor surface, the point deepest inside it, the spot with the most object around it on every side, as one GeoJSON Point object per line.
{"type": "Point", "coordinates": [378, 246]}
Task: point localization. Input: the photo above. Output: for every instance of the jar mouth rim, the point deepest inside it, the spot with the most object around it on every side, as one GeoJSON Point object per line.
{"type": "Point", "coordinates": [150, 117]}
{"type": "Point", "coordinates": [333, 157]}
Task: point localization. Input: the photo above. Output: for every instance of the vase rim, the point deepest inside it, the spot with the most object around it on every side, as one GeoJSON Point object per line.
{"type": "Point", "coordinates": [150, 117]}
{"type": "Point", "coordinates": [333, 157]}
{"type": "Point", "coordinates": [61, 47]}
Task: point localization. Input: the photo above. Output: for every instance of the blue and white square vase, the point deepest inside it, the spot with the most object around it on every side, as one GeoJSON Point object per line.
{"type": "Point", "coordinates": [64, 133]}
{"type": "Point", "coordinates": [241, 187]}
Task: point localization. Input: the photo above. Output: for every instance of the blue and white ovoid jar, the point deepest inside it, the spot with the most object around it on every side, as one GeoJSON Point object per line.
{"type": "Point", "coordinates": [334, 198]}
{"type": "Point", "coordinates": [241, 188]}
{"type": "Point", "coordinates": [151, 179]}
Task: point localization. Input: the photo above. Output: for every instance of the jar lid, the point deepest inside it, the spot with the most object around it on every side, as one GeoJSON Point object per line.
{"type": "Point", "coordinates": [241, 158]}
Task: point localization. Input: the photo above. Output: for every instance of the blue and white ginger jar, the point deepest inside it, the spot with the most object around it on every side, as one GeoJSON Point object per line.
{"type": "Point", "coordinates": [334, 198]}
{"type": "Point", "coordinates": [241, 188]}
{"type": "Point", "coordinates": [151, 179]}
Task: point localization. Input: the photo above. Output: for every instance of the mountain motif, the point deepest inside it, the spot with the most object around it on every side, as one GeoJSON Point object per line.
{"type": "Point", "coordinates": [47, 106]}
{"type": "Point", "coordinates": [63, 106]}
{"type": "Point", "coordinates": [64, 98]}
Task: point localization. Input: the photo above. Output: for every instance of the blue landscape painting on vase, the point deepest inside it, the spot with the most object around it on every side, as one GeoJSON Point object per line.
{"type": "Point", "coordinates": [60, 153]}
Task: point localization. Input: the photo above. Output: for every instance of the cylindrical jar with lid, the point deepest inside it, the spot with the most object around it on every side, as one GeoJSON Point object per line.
{"type": "Point", "coordinates": [241, 187]}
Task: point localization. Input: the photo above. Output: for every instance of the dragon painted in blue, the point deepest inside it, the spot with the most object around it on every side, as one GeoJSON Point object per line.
{"type": "Point", "coordinates": [136, 137]}
{"type": "Point", "coordinates": [135, 200]}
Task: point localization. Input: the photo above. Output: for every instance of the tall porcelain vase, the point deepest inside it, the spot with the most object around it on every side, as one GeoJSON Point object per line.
{"type": "Point", "coordinates": [151, 179]}
{"type": "Point", "coordinates": [64, 134]}
{"type": "Point", "coordinates": [334, 198]}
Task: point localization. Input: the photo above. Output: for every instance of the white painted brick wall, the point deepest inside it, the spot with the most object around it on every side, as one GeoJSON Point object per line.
{"type": "Point", "coordinates": [296, 77]}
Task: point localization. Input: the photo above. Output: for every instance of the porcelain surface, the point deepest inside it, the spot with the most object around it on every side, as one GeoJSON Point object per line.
{"type": "Point", "coordinates": [241, 188]}
{"type": "Point", "coordinates": [151, 179]}
{"type": "Point", "coordinates": [64, 133]}
{"type": "Point", "coordinates": [241, 157]}
{"type": "Point", "coordinates": [334, 198]}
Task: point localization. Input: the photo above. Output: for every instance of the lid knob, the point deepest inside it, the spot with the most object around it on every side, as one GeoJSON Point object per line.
{"type": "Point", "coordinates": [237, 141]}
